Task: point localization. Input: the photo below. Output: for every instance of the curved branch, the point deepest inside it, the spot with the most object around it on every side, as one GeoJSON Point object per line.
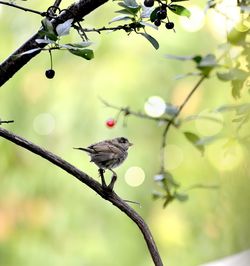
{"type": "Point", "coordinates": [93, 184]}
{"type": "Point", "coordinates": [12, 64]}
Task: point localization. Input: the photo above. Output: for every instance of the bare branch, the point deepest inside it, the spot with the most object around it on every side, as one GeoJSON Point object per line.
{"type": "Point", "coordinates": [6, 121]}
{"type": "Point", "coordinates": [12, 64]}
{"type": "Point", "coordinates": [23, 8]}
{"type": "Point", "coordinates": [127, 111]}
{"type": "Point", "coordinates": [164, 135]}
{"type": "Point", "coordinates": [110, 196]}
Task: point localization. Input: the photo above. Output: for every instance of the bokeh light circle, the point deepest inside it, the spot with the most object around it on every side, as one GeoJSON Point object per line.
{"type": "Point", "coordinates": [134, 176]}
{"type": "Point", "coordinates": [195, 22]}
{"type": "Point", "coordinates": [225, 154]}
{"type": "Point", "coordinates": [209, 123]}
{"type": "Point", "coordinates": [155, 106]}
{"type": "Point", "coordinates": [44, 124]}
{"type": "Point", "coordinates": [173, 156]}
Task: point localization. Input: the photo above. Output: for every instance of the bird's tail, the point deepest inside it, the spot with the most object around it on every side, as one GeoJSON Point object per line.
{"type": "Point", "coordinates": [83, 149]}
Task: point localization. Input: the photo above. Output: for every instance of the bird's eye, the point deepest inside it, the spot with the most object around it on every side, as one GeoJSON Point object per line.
{"type": "Point", "coordinates": [122, 140]}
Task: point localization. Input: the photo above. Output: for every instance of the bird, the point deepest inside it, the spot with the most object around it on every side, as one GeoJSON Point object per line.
{"type": "Point", "coordinates": [108, 154]}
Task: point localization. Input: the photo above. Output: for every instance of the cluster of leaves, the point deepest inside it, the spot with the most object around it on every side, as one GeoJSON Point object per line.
{"type": "Point", "coordinates": [169, 189]}
{"type": "Point", "coordinates": [144, 15]}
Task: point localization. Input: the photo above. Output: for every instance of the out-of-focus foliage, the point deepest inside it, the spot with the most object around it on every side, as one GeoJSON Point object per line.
{"type": "Point", "coordinates": [48, 217]}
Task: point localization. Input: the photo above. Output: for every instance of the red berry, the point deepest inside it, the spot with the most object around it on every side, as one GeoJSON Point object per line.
{"type": "Point", "coordinates": [110, 122]}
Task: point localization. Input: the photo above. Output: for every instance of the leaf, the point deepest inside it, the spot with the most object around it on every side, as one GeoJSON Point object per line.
{"type": "Point", "coordinates": [149, 25]}
{"type": "Point", "coordinates": [132, 9]}
{"type": "Point", "coordinates": [237, 86]}
{"type": "Point", "coordinates": [208, 60]}
{"type": "Point", "coordinates": [153, 16]}
{"type": "Point", "coordinates": [124, 11]}
{"type": "Point", "coordinates": [181, 196]}
{"type": "Point", "coordinates": [131, 3]}
{"type": "Point", "coordinates": [47, 41]}
{"type": "Point", "coordinates": [63, 28]}
{"type": "Point", "coordinates": [27, 52]}
{"type": "Point", "coordinates": [207, 140]}
{"type": "Point", "coordinates": [151, 39]}
{"type": "Point", "coordinates": [180, 10]}
{"type": "Point", "coordinates": [48, 30]}
{"type": "Point", "coordinates": [119, 18]}
{"type": "Point", "coordinates": [236, 37]}
{"type": "Point", "coordinates": [84, 53]}
{"type": "Point", "coordinates": [171, 109]}
{"type": "Point", "coordinates": [157, 195]}
{"type": "Point", "coordinates": [76, 46]}
{"type": "Point", "coordinates": [47, 25]}
{"type": "Point", "coordinates": [233, 74]}
{"type": "Point", "coordinates": [207, 64]}
{"type": "Point", "coordinates": [194, 139]}
{"type": "Point", "coordinates": [146, 11]}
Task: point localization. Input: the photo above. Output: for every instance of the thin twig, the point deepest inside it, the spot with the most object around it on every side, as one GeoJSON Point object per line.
{"type": "Point", "coordinates": [127, 111]}
{"type": "Point", "coordinates": [24, 8]}
{"type": "Point", "coordinates": [6, 121]}
{"type": "Point", "coordinates": [110, 196]}
{"type": "Point", "coordinates": [165, 132]}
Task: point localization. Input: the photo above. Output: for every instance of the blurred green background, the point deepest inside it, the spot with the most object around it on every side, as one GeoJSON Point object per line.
{"type": "Point", "coordinates": [48, 217]}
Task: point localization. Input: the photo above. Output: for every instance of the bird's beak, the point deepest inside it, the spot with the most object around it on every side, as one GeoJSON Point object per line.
{"type": "Point", "coordinates": [130, 144]}
{"type": "Point", "coordinates": [78, 148]}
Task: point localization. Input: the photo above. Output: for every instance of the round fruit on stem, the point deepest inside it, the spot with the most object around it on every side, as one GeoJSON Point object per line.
{"type": "Point", "coordinates": [50, 73]}
{"type": "Point", "coordinates": [157, 22]}
{"type": "Point", "coordinates": [110, 122]}
{"type": "Point", "coordinates": [169, 25]}
{"type": "Point", "coordinates": [149, 3]}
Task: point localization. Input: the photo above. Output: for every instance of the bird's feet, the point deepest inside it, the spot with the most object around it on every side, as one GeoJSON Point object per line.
{"type": "Point", "coordinates": [112, 183]}
{"type": "Point", "coordinates": [110, 187]}
{"type": "Point", "coordinates": [101, 173]}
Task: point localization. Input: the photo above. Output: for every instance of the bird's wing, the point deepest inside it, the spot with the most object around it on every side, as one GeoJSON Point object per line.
{"type": "Point", "coordinates": [107, 148]}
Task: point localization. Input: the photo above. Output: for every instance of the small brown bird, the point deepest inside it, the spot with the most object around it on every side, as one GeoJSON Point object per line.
{"type": "Point", "coordinates": [108, 154]}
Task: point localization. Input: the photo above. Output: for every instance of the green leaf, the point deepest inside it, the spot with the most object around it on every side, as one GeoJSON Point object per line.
{"type": "Point", "coordinates": [27, 52]}
{"type": "Point", "coordinates": [236, 37]}
{"type": "Point", "coordinates": [131, 3]}
{"type": "Point", "coordinates": [148, 25]}
{"type": "Point", "coordinates": [157, 195]}
{"type": "Point", "coordinates": [64, 28]}
{"type": "Point", "coordinates": [194, 139]}
{"type": "Point", "coordinates": [207, 64]}
{"type": "Point", "coordinates": [124, 11]}
{"type": "Point", "coordinates": [207, 140]}
{"type": "Point", "coordinates": [233, 74]}
{"type": "Point", "coordinates": [151, 39]}
{"type": "Point", "coordinates": [180, 10]}
{"type": "Point", "coordinates": [181, 196]}
{"type": "Point", "coordinates": [119, 18]}
{"type": "Point", "coordinates": [84, 53]}
{"type": "Point", "coordinates": [237, 86]}
{"type": "Point", "coordinates": [130, 8]}
{"type": "Point", "coordinates": [153, 14]}
{"type": "Point", "coordinates": [146, 11]}
{"type": "Point", "coordinates": [171, 109]}
{"type": "Point", "coordinates": [76, 46]}
{"type": "Point", "coordinates": [48, 30]}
